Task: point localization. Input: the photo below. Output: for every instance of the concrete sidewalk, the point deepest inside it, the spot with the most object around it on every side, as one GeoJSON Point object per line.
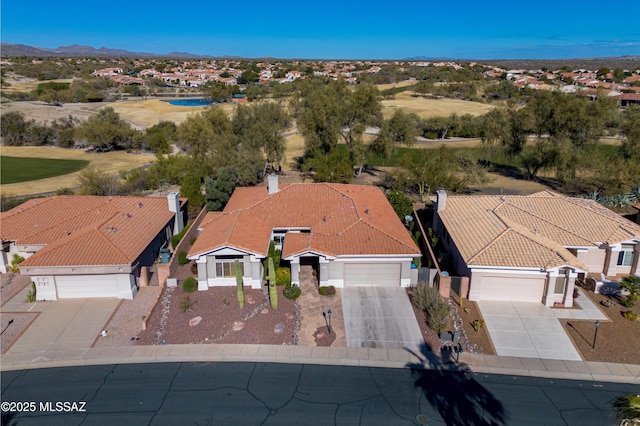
{"type": "Point", "coordinates": [369, 357]}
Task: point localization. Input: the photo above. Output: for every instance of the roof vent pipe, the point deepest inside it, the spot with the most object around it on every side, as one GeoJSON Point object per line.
{"type": "Point", "coordinates": [273, 183]}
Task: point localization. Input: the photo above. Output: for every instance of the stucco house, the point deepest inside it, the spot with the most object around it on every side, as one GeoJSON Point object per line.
{"type": "Point", "coordinates": [532, 248]}
{"type": "Point", "coordinates": [349, 233]}
{"type": "Point", "coordinates": [89, 246]}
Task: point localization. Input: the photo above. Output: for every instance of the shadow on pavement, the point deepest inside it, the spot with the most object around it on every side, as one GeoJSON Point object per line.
{"type": "Point", "coordinates": [451, 389]}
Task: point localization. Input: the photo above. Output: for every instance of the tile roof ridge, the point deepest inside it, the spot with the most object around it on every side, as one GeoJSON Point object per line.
{"type": "Point", "coordinates": [72, 217]}
{"type": "Point", "coordinates": [380, 231]}
{"type": "Point", "coordinates": [78, 234]}
{"type": "Point", "coordinates": [555, 225]}
{"type": "Point", "coordinates": [601, 210]}
{"type": "Point", "coordinates": [523, 231]}
{"type": "Point", "coordinates": [233, 226]}
{"type": "Point", "coordinates": [111, 243]}
{"type": "Point", "coordinates": [488, 246]}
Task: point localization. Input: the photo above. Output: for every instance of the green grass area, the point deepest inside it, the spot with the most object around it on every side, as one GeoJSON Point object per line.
{"type": "Point", "coordinates": [22, 169]}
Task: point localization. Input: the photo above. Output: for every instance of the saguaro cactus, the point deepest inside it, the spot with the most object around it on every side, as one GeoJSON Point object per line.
{"type": "Point", "coordinates": [239, 290]}
{"type": "Point", "coordinates": [273, 290]}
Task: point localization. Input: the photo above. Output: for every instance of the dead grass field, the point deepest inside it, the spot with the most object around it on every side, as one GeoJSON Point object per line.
{"type": "Point", "coordinates": [140, 113]}
{"type": "Point", "coordinates": [425, 107]}
{"type": "Point", "coordinates": [295, 148]}
{"type": "Point", "coordinates": [27, 84]}
{"type": "Point", "coordinates": [145, 113]}
{"type": "Point", "coordinates": [405, 83]}
{"type": "Point", "coordinates": [112, 162]}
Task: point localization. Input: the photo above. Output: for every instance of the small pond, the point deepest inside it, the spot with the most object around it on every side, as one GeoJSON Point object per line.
{"type": "Point", "coordinates": [199, 102]}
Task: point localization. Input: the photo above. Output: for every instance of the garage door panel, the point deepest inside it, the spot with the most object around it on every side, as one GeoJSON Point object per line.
{"type": "Point", "coordinates": [372, 274]}
{"type": "Point", "coordinates": [514, 289]}
{"type": "Point", "coordinates": [84, 286]}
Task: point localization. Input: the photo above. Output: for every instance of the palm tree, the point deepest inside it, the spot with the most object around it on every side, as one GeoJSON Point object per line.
{"type": "Point", "coordinates": [626, 407]}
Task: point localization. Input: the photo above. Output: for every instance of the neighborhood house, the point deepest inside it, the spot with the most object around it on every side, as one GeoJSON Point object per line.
{"type": "Point", "coordinates": [350, 234]}
{"type": "Point", "coordinates": [89, 246]}
{"type": "Point", "coordinates": [533, 248]}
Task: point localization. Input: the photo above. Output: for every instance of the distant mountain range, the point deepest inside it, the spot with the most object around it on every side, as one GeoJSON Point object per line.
{"type": "Point", "coordinates": [76, 50]}
{"type": "Point", "coordinates": [12, 50]}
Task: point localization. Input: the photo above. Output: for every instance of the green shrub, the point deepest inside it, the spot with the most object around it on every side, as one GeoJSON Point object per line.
{"type": "Point", "coordinates": [192, 240]}
{"type": "Point", "coordinates": [631, 316]}
{"type": "Point", "coordinates": [15, 261]}
{"type": "Point", "coordinates": [175, 240]}
{"type": "Point", "coordinates": [283, 276]}
{"type": "Point", "coordinates": [477, 324]}
{"type": "Point", "coordinates": [428, 299]}
{"type": "Point", "coordinates": [631, 283]}
{"type": "Point", "coordinates": [273, 293]}
{"type": "Point", "coordinates": [182, 258]}
{"type": "Point", "coordinates": [292, 292]}
{"type": "Point", "coordinates": [194, 268]}
{"type": "Point", "coordinates": [327, 290]}
{"type": "Point", "coordinates": [425, 296]}
{"type": "Point", "coordinates": [185, 304]}
{"type": "Point", "coordinates": [438, 316]}
{"type": "Point", "coordinates": [627, 303]}
{"type": "Point", "coordinates": [274, 254]}
{"type": "Point", "coordinates": [31, 295]}
{"type": "Point", "coordinates": [189, 285]}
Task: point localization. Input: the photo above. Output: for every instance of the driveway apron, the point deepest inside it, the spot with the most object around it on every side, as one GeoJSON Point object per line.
{"type": "Point", "coordinates": [529, 330]}
{"type": "Point", "coordinates": [61, 325]}
{"type": "Point", "coordinates": [379, 317]}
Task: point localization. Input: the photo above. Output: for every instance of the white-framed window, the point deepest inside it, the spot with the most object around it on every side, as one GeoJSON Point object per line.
{"type": "Point", "coordinates": [625, 257]}
{"type": "Point", "coordinates": [278, 238]}
{"type": "Point", "coordinates": [226, 268]}
{"type": "Point", "coordinates": [561, 281]}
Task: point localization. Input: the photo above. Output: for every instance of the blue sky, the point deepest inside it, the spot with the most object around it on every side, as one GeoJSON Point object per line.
{"type": "Point", "coordinates": [324, 30]}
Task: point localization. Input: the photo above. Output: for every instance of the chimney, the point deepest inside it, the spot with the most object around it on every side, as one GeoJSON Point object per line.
{"type": "Point", "coordinates": [441, 200]}
{"type": "Point", "coordinates": [441, 203]}
{"type": "Point", "coordinates": [174, 206]}
{"type": "Point", "coordinates": [273, 183]}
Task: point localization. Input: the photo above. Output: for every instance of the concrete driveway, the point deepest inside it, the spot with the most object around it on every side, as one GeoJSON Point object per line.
{"type": "Point", "coordinates": [531, 330]}
{"type": "Point", "coordinates": [61, 326]}
{"type": "Point", "coordinates": [379, 317]}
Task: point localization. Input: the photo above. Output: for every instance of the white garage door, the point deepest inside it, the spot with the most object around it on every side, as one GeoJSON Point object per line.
{"type": "Point", "coordinates": [372, 274]}
{"type": "Point", "coordinates": [82, 286]}
{"type": "Point", "coordinates": [514, 289]}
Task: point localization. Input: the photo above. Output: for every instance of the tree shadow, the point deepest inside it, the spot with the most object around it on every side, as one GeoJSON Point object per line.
{"type": "Point", "coordinates": [451, 389]}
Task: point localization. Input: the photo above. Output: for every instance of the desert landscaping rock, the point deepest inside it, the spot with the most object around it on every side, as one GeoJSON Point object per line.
{"type": "Point", "coordinates": [279, 328]}
{"type": "Point", "coordinates": [194, 321]}
{"type": "Point", "coordinates": [238, 325]}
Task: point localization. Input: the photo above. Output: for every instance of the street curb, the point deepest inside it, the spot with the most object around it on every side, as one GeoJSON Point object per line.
{"type": "Point", "coordinates": [356, 357]}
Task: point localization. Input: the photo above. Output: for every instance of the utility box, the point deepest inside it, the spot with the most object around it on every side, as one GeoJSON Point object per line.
{"type": "Point", "coordinates": [165, 255]}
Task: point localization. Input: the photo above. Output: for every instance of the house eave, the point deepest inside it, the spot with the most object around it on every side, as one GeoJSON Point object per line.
{"type": "Point", "coordinates": [79, 269]}
{"type": "Point", "coordinates": [196, 256]}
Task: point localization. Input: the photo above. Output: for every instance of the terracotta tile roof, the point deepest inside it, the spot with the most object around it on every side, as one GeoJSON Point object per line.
{"type": "Point", "coordinates": [86, 230]}
{"type": "Point", "coordinates": [239, 229]}
{"type": "Point", "coordinates": [341, 220]}
{"type": "Point", "coordinates": [530, 231]}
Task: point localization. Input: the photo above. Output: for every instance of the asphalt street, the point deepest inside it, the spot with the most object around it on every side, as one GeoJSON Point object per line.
{"type": "Point", "coordinates": [294, 394]}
